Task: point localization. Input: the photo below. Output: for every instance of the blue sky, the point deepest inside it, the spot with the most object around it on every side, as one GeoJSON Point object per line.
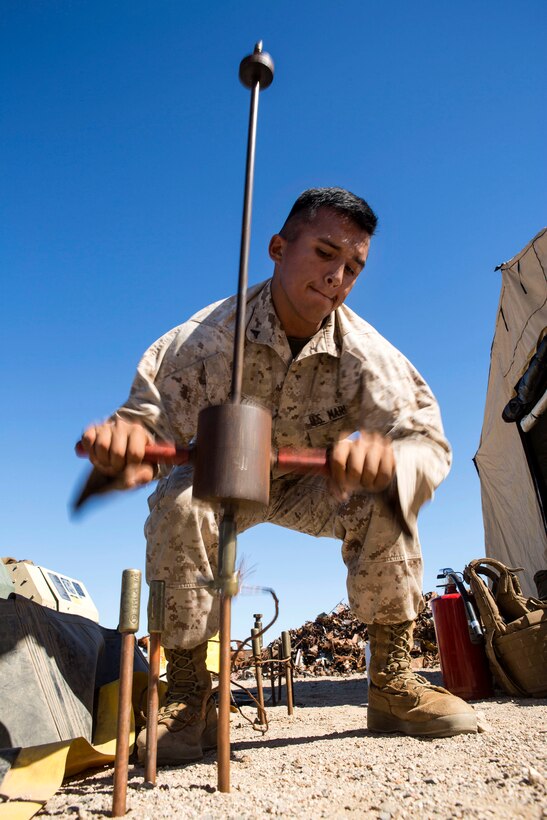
{"type": "Point", "coordinates": [123, 145]}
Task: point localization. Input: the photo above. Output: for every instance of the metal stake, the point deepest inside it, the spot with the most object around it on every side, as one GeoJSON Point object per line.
{"type": "Point", "coordinates": [228, 587]}
{"type": "Point", "coordinates": [286, 651]}
{"type": "Point", "coordinates": [156, 622]}
{"type": "Point", "coordinates": [272, 676]}
{"type": "Point", "coordinates": [129, 624]}
{"type": "Point", "coordinates": [258, 626]}
{"type": "Point", "coordinates": [280, 669]}
{"type": "Point", "coordinates": [257, 652]}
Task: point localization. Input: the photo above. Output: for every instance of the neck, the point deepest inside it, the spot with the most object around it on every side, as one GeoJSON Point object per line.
{"type": "Point", "coordinates": [291, 321]}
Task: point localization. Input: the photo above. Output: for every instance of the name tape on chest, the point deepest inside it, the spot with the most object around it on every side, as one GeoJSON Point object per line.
{"type": "Point", "coordinates": [326, 416]}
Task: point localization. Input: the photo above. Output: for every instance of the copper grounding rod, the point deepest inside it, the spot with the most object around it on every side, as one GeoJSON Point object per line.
{"type": "Point", "coordinates": [156, 619]}
{"type": "Point", "coordinates": [129, 624]}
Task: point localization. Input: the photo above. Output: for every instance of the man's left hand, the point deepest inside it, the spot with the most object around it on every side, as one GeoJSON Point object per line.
{"type": "Point", "coordinates": [364, 462]}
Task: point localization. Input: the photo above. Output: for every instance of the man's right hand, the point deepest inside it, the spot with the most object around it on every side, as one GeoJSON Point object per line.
{"type": "Point", "coordinates": [116, 448]}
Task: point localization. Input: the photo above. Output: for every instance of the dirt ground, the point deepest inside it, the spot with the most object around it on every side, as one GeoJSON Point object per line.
{"type": "Point", "coordinates": [322, 762]}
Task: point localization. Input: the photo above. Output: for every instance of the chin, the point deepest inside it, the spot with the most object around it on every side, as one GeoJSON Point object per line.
{"type": "Point", "coordinates": [316, 322]}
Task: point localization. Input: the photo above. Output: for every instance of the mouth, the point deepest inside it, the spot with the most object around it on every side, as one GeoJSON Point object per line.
{"type": "Point", "coordinates": [330, 299]}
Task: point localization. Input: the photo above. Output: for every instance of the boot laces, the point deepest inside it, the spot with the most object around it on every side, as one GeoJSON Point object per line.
{"type": "Point", "coordinates": [182, 686]}
{"type": "Point", "coordinates": [182, 681]}
{"type": "Point", "coordinates": [398, 667]}
{"type": "Point", "coordinates": [398, 659]}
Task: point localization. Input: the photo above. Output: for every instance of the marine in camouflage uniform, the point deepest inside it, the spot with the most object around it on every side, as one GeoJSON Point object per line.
{"type": "Point", "coordinates": [347, 377]}
{"type": "Point", "coordinates": [324, 374]}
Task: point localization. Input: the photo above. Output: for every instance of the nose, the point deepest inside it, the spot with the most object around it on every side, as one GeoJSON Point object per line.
{"type": "Point", "coordinates": [335, 275]}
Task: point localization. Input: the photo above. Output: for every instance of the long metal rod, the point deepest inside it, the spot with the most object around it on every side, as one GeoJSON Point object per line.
{"type": "Point", "coordinates": [128, 625]}
{"type": "Point", "coordinates": [156, 624]}
{"type": "Point", "coordinates": [152, 708]}
{"type": "Point", "coordinates": [287, 657]}
{"type": "Point", "coordinates": [257, 653]}
{"type": "Point", "coordinates": [227, 578]}
{"type": "Point", "coordinates": [239, 341]}
{"type": "Point", "coordinates": [223, 732]}
{"type": "Point", "coordinates": [272, 677]}
{"type": "Point", "coordinates": [121, 763]}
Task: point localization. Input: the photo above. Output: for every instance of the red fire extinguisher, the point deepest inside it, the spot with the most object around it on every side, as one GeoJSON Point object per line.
{"type": "Point", "coordinates": [460, 640]}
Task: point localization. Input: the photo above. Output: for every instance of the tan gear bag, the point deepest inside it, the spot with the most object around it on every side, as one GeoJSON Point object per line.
{"type": "Point", "coordinates": [515, 628]}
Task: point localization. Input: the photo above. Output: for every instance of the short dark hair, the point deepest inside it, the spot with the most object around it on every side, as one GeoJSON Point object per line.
{"type": "Point", "coordinates": [337, 199]}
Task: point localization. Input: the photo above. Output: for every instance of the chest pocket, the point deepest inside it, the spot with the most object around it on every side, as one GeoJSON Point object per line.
{"type": "Point", "coordinates": [324, 427]}
{"type": "Point", "coordinates": [334, 400]}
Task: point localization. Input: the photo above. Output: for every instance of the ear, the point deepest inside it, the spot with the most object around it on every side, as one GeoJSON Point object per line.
{"type": "Point", "coordinates": [276, 247]}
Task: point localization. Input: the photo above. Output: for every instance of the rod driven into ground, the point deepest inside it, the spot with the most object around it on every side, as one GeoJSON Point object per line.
{"type": "Point", "coordinates": [156, 619]}
{"type": "Point", "coordinates": [129, 624]}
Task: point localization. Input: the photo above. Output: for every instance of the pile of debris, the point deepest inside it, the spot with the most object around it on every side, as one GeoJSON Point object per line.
{"type": "Point", "coordinates": [335, 643]}
{"type": "Point", "coordinates": [332, 644]}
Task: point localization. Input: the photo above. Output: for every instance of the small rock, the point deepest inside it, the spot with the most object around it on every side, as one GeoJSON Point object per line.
{"type": "Point", "coordinates": [534, 777]}
{"type": "Point", "coordinates": [388, 809]}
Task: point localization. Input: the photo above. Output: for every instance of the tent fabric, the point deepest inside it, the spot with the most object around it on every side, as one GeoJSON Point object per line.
{"type": "Point", "coordinates": [59, 693]}
{"type": "Point", "coordinates": [33, 774]}
{"type": "Point", "coordinates": [58, 700]}
{"type": "Point", "coordinates": [52, 664]}
{"type": "Point", "coordinates": [513, 522]}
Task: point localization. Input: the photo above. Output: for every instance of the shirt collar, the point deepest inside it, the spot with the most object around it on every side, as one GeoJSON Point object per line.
{"type": "Point", "coordinates": [265, 328]}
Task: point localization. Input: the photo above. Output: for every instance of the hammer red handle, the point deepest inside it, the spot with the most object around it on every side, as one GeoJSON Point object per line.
{"type": "Point", "coordinates": [308, 460]}
{"type": "Point", "coordinates": [289, 459]}
{"type": "Point", "coordinates": [155, 454]}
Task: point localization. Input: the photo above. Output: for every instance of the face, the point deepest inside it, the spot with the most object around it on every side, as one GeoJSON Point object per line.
{"type": "Point", "coordinates": [315, 271]}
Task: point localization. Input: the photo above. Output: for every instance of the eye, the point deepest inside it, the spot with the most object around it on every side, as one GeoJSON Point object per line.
{"type": "Point", "coordinates": [322, 254]}
{"type": "Point", "coordinates": [350, 271]}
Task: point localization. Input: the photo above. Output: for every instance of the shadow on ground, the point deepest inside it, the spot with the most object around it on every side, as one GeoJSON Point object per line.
{"type": "Point", "coordinates": [326, 692]}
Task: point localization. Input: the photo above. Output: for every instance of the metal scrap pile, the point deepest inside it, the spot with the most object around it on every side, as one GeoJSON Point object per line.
{"type": "Point", "coordinates": [335, 643]}
{"type": "Point", "coordinates": [332, 644]}
{"type": "Point", "coordinates": [425, 653]}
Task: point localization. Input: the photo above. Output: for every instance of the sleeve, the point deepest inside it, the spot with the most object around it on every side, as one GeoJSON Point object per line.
{"type": "Point", "coordinates": [145, 403]}
{"type": "Point", "coordinates": [397, 402]}
{"type": "Point", "coordinates": [180, 374]}
{"type": "Point", "coordinates": [421, 465]}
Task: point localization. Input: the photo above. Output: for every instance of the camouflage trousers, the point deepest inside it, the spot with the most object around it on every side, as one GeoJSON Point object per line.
{"type": "Point", "coordinates": [384, 562]}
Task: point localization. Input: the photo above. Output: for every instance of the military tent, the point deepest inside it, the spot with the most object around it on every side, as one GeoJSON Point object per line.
{"type": "Point", "coordinates": [512, 455]}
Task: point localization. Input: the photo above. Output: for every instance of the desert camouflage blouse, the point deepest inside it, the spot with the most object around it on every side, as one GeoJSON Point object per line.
{"type": "Point", "coordinates": [346, 377]}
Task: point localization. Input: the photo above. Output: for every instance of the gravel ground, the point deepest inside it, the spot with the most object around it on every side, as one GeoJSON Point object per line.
{"type": "Point", "coordinates": [322, 762]}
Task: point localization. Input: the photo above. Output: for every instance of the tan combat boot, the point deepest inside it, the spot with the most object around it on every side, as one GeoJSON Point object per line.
{"type": "Point", "coordinates": [187, 722]}
{"type": "Point", "coordinates": [399, 700]}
